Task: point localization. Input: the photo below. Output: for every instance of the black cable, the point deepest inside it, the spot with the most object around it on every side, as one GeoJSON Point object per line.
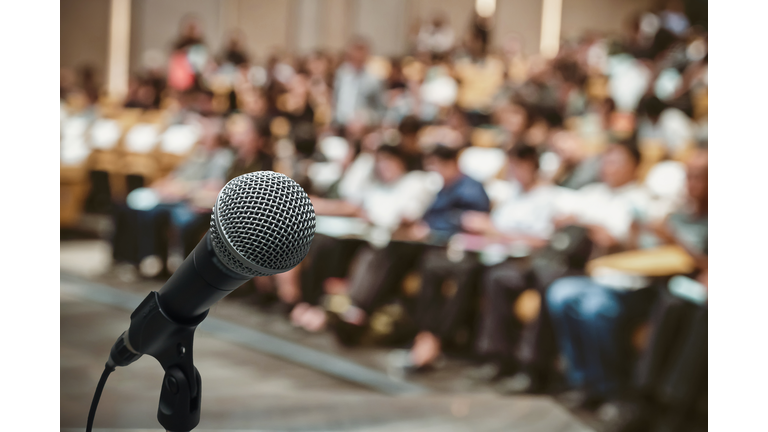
{"type": "Point", "coordinates": [108, 369]}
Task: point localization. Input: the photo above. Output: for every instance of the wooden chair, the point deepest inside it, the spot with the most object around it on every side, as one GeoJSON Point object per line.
{"type": "Point", "coordinates": [176, 143]}
{"type": "Point", "coordinates": [139, 157]}
{"type": "Point", "coordinates": [74, 189]}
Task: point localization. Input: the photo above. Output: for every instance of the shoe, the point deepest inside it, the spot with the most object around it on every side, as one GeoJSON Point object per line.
{"type": "Point", "coordinates": [580, 399]}
{"type": "Point", "coordinates": [347, 334]}
{"type": "Point", "coordinates": [624, 417]}
{"type": "Point", "coordinates": [484, 373]}
{"type": "Point", "coordinates": [400, 364]}
{"type": "Point", "coordinates": [520, 382]}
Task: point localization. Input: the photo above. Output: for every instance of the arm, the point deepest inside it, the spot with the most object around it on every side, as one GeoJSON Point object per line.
{"type": "Point", "coordinates": [333, 207]}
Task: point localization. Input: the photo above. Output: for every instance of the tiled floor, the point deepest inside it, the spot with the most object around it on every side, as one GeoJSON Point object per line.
{"type": "Point", "coordinates": [244, 389]}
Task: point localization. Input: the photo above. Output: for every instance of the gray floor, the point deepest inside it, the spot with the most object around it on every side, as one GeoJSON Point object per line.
{"type": "Point", "coordinates": [259, 373]}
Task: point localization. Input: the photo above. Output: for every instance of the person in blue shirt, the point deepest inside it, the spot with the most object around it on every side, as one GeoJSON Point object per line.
{"type": "Point", "coordinates": [419, 247]}
{"type": "Point", "coordinates": [459, 194]}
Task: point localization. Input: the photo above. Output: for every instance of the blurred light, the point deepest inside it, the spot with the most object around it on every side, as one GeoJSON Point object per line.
{"type": "Point", "coordinates": [667, 83]}
{"type": "Point", "coordinates": [696, 50]}
{"type": "Point", "coordinates": [334, 148]}
{"type": "Point", "coordinates": [142, 199]}
{"type": "Point", "coordinates": [258, 76]}
{"type": "Point", "coordinates": [179, 139]}
{"type": "Point", "coordinates": [481, 163]}
{"type": "Point", "coordinates": [551, 15]}
{"type": "Point", "coordinates": [105, 134]}
{"type": "Point", "coordinates": [485, 8]}
{"type": "Point", "coordinates": [649, 24]}
{"type": "Point", "coordinates": [550, 163]}
{"type": "Point", "coordinates": [440, 91]}
{"type": "Point", "coordinates": [142, 138]}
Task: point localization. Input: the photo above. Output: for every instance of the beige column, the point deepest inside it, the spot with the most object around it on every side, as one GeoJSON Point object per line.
{"type": "Point", "coordinates": [119, 52]}
{"type": "Point", "coordinates": [551, 15]}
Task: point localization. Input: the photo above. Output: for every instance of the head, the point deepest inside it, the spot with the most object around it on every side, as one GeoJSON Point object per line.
{"type": "Point", "coordinates": [357, 52]}
{"type": "Point", "coordinates": [439, 19]}
{"type": "Point", "coordinates": [697, 179]}
{"type": "Point", "coordinates": [524, 163]}
{"type": "Point", "coordinates": [390, 164]}
{"type": "Point", "coordinates": [620, 163]}
{"type": "Point", "coordinates": [653, 107]}
{"type": "Point", "coordinates": [409, 129]}
{"type": "Point", "coordinates": [212, 134]}
{"type": "Point", "coordinates": [568, 147]}
{"type": "Point", "coordinates": [241, 133]}
{"type": "Point", "coordinates": [190, 27]}
{"type": "Point", "coordinates": [443, 160]}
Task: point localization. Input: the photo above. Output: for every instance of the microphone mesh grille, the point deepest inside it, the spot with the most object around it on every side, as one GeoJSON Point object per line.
{"type": "Point", "coordinates": [267, 218]}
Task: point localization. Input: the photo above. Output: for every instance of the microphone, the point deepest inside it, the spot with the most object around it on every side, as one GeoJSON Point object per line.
{"type": "Point", "coordinates": [262, 224]}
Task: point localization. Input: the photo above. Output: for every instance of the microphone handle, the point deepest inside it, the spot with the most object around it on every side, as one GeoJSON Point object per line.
{"type": "Point", "coordinates": [200, 281]}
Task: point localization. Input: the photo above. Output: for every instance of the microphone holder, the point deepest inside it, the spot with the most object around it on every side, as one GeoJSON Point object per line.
{"type": "Point", "coordinates": [153, 333]}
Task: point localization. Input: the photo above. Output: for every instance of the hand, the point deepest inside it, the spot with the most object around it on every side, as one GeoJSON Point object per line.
{"type": "Point", "coordinates": [602, 237]}
{"type": "Point", "coordinates": [203, 200]}
{"type": "Point", "coordinates": [659, 229]}
{"type": "Point", "coordinates": [417, 231]}
{"type": "Point", "coordinates": [171, 191]}
{"type": "Point", "coordinates": [703, 278]}
{"type": "Point", "coordinates": [564, 221]}
{"type": "Point", "coordinates": [477, 222]}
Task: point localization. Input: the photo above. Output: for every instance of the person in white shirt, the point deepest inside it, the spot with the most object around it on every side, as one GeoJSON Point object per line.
{"type": "Point", "coordinates": [526, 218]}
{"type": "Point", "coordinates": [390, 196]}
{"type": "Point", "coordinates": [358, 95]}
{"type": "Point", "coordinates": [586, 313]}
{"type": "Point", "coordinates": [436, 36]}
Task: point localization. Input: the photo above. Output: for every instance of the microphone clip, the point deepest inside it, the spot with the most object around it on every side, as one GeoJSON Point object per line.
{"type": "Point", "coordinates": [153, 333]}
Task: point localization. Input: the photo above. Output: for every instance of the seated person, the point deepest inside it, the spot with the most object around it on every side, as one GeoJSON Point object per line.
{"type": "Point", "coordinates": [392, 196]}
{"type": "Point", "coordinates": [436, 316]}
{"type": "Point", "coordinates": [670, 374]}
{"type": "Point", "coordinates": [577, 168]}
{"type": "Point", "coordinates": [526, 216]}
{"type": "Point", "coordinates": [186, 197]}
{"type": "Point", "coordinates": [372, 281]}
{"type": "Point", "coordinates": [586, 312]}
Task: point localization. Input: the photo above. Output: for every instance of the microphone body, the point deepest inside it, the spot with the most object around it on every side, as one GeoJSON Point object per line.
{"type": "Point", "coordinates": [200, 281]}
{"type": "Point", "coordinates": [262, 224]}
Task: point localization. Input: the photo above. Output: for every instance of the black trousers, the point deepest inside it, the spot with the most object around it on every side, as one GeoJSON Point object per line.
{"type": "Point", "coordinates": [328, 257]}
{"type": "Point", "coordinates": [447, 298]}
{"type": "Point", "coordinates": [502, 336]}
{"type": "Point", "coordinates": [376, 274]}
{"type": "Point", "coordinates": [672, 370]}
{"type": "Point", "coordinates": [139, 234]}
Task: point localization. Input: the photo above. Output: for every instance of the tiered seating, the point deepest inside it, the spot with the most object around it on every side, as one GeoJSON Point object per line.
{"type": "Point", "coordinates": [120, 143]}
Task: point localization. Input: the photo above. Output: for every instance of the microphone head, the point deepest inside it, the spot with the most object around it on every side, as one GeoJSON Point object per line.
{"type": "Point", "coordinates": [262, 224]}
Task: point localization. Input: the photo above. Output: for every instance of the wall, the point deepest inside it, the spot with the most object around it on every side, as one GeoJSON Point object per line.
{"type": "Point", "coordinates": [155, 25]}
{"type": "Point", "coordinates": [522, 17]}
{"type": "Point", "coordinates": [84, 34]}
{"type": "Point", "coordinates": [600, 15]}
{"type": "Point", "coordinates": [304, 25]}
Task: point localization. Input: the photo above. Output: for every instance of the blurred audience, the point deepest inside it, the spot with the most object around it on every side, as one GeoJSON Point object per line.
{"type": "Point", "coordinates": [512, 263]}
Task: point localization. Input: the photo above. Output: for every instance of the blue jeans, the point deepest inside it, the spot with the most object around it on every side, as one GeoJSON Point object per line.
{"type": "Point", "coordinates": [590, 321]}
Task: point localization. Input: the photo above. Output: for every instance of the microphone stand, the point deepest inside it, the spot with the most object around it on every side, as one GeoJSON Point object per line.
{"type": "Point", "coordinates": [152, 332]}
